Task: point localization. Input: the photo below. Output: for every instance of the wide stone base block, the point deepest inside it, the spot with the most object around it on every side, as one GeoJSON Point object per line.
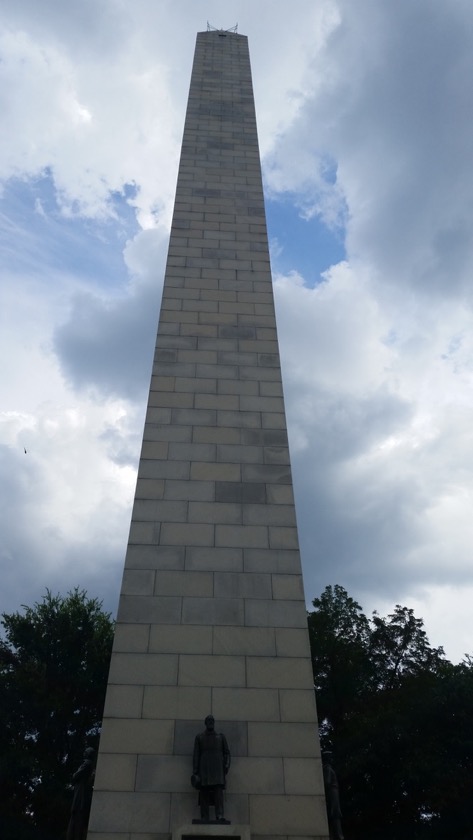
{"type": "Point", "coordinates": [209, 831]}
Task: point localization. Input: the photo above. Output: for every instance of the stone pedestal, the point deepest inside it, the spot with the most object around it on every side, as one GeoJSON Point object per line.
{"type": "Point", "coordinates": [212, 832]}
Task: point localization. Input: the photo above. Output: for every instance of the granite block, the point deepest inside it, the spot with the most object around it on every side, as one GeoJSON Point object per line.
{"type": "Point", "coordinates": [131, 638]}
{"type": "Point", "coordinates": [241, 536]}
{"type": "Point", "coordinates": [186, 534]}
{"type": "Point", "coordinates": [214, 434]}
{"type": "Point", "coordinates": [213, 611]}
{"type": "Point", "coordinates": [154, 449]}
{"type": "Point", "coordinates": [246, 703]}
{"type": "Point", "coordinates": [214, 559]}
{"type": "Point", "coordinates": [287, 587]}
{"type": "Point", "coordinates": [147, 488]}
{"type": "Point", "coordinates": [155, 557]}
{"type": "Point", "coordinates": [303, 776]}
{"type": "Point", "coordinates": [231, 585]}
{"type": "Point", "coordinates": [214, 670]}
{"type": "Point", "coordinates": [115, 772]}
{"type": "Point", "coordinates": [259, 775]}
{"type": "Point", "coordinates": [123, 701]}
{"type": "Point", "coordinates": [177, 702]}
{"type": "Point", "coordinates": [192, 451]}
{"type": "Point", "coordinates": [152, 510]}
{"type": "Point", "coordinates": [122, 811]}
{"type": "Point", "coordinates": [188, 490]}
{"type": "Point", "coordinates": [162, 773]}
{"type": "Point", "coordinates": [280, 515]}
{"type": "Point", "coordinates": [293, 740]}
{"type": "Point", "coordinates": [169, 638]}
{"type": "Point", "coordinates": [279, 672]}
{"type": "Point", "coordinates": [298, 705]}
{"type": "Point", "coordinates": [149, 609]}
{"type": "Point", "coordinates": [244, 641]}
{"type": "Point", "coordinates": [136, 736]}
{"type": "Point", "coordinates": [294, 816]}
{"type": "Point", "coordinates": [292, 641]}
{"type": "Point", "coordinates": [266, 613]}
{"type": "Point", "coordinates": [199, 584]}
{"type": "Point", "coordinates": [143, 669]}
{"type": "Point", "coordinates": [283, 538]}
{"type": "Point", "coordinates": [203, 471]}
{"type": "Point", "coordinates": [215, 512]}
{"type": "Point", "coordinates": [138, 582]}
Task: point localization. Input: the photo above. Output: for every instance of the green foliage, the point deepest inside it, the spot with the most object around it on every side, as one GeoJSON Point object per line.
{"type": "Point", "coordinates": [397, 716]}
{"type": "Point", "coordinates": [339, 636]}
{"type": "Point", "coordinates": [399, 646]}
{"type": "Point", "coordinates": [53, 672]}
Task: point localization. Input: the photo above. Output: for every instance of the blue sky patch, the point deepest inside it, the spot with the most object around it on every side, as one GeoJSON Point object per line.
{"type": "Point", "coordinates": [306, 246]}
{"type": "Point", "coordinates": [45, 240]}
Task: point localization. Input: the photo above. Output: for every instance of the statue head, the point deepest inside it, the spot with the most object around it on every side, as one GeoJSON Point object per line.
{"type": "Point", "coordinates": [210, 723]}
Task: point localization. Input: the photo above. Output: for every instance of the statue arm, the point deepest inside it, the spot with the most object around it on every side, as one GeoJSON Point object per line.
{"type": "Point", "coordinates": [83, 771]}
{"type": "Point", "coordinates": [196, 756]}
{"type": "Point", "coordinates": [227, 759]}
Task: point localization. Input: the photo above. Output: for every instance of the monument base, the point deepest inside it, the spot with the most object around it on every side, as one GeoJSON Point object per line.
{"type": "Point", "coordinates": [212, 831]}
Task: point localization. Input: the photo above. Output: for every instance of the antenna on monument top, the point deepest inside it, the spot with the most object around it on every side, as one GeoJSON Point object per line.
{"type": "Point", "coordinates": [211, 28]}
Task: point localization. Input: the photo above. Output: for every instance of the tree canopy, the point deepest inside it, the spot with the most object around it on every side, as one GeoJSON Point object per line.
{"type": "Point", "coordinates": [396, 715]}
{"type": "Point", "coordinates": [54, 661]}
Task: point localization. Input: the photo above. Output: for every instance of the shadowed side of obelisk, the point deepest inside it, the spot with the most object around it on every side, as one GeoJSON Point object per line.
{"type": "Point", "coordinates": [212, 615]}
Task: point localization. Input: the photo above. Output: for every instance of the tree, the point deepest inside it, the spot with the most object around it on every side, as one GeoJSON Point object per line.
{"type": "Point", "coordinates": [397, 715]}
{"type": "Point", "coordinates": [340, 638]}
{"type": "Point", "coordinates": [399, 646]}
{"type": "Point", "coordinates": [53, 674]}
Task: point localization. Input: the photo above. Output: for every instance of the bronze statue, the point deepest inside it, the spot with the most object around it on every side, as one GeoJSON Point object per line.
{"type": "Point", "coordinates": [332, 797]}
{"type": "Point", "coordinates": [210, 767]}
{"type": "Point", "coordinates": [83, 780]}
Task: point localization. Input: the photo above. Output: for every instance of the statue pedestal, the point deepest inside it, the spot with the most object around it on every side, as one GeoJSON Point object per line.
{"type": "Point", "coordinates": [212, 822]}
{"type": "Point", "coordinates": [212, 831]}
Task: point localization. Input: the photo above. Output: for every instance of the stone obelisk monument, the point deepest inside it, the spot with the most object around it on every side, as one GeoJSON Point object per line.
{"type": "Point", "coordinates": [212, 617]}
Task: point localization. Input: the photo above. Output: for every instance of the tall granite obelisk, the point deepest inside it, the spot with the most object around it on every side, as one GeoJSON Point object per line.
{"type": "Point", "coordinates": [212, 616]}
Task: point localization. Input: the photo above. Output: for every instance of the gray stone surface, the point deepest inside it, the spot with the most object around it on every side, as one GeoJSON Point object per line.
{"type": "Point", "coordinates": [143, 669]}
{"type": "Point", "coordinates": [172, 638]}
{"type": "Point", "coordinates": [212, 670]}
{"type": "Point", "coordinates": [297, 816]}
{"type": "Point", "coordinates": [124, 701]}
{"type": "Point", "coordinates": [187, 702]}
{"type": "Point", "coordinates": [123, 812]}
{"type": "Point", "coordinates": [213, 611]}
{"type": "Point", "coordinates": [293, 740]}
{"type": "Point", "coordinates": [116, 772]}
{"type": "Point", "coordinates": [249, 641]}
{"type": "Point", "coordinates": [233, 832]}
{"type": "Point", "coordinates": [246, 703]}
{"type": "Point", "coordinates": [212, 615]}
{"type": "Point", "coordinates": [135, 735]}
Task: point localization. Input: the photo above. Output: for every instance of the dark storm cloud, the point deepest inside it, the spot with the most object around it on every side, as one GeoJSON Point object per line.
{"type": "Point", "coordinates": [46, 543]}
{"type": "Point", "coordinates": [107, 344]}
{"type": "Point", "coordinates": [343, 426]}
{"type": "Point", "coordinates": [357, 515]}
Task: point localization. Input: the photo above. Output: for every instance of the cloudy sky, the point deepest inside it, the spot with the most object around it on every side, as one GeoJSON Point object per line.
{"type": "Point", "coordinates": [365, 114]}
